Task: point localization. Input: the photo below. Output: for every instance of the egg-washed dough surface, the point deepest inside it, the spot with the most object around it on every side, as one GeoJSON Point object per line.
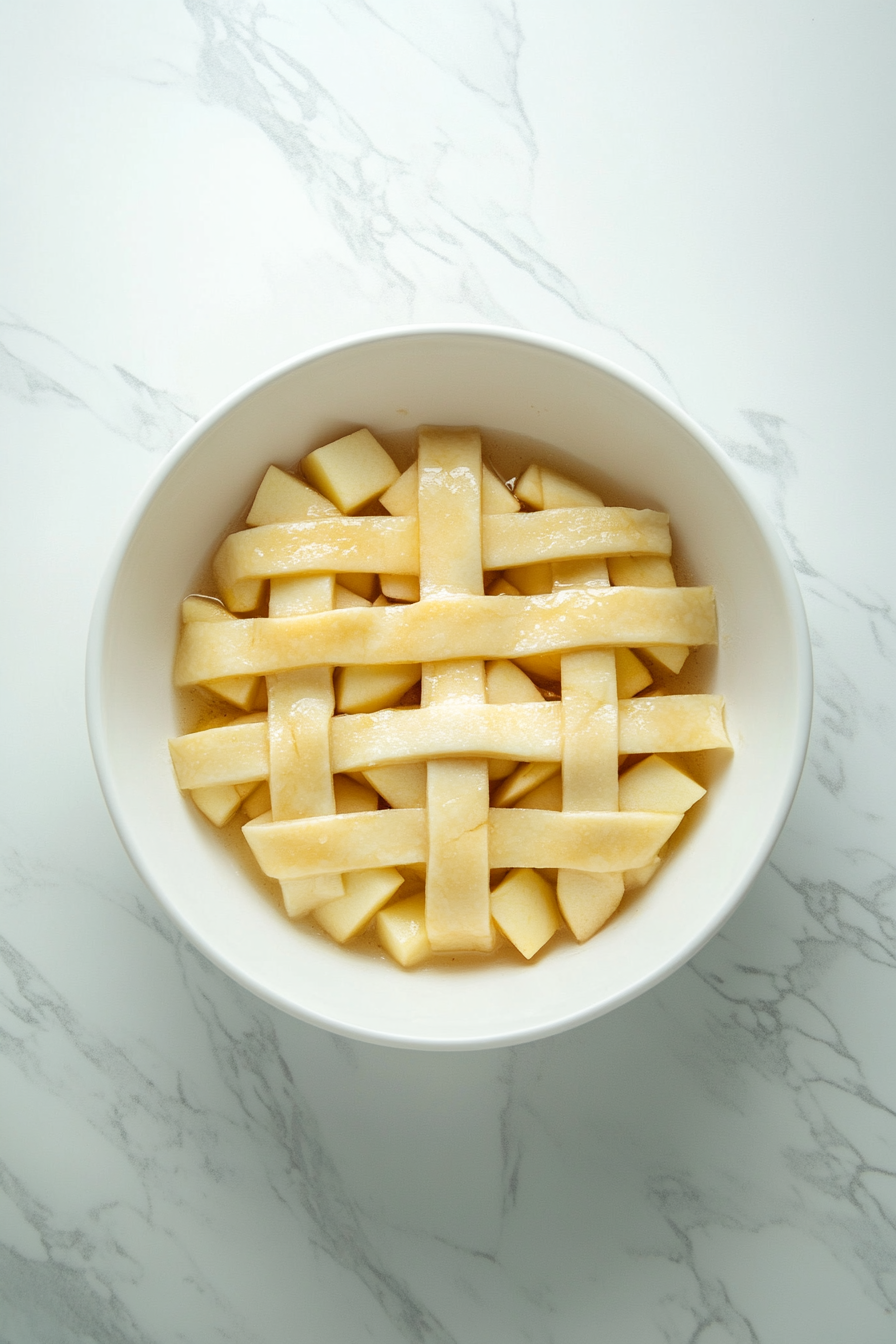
{"type": "Point", "coordinates": [362, 806]}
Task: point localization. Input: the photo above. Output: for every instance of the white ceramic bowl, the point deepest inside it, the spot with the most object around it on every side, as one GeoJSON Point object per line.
{"type": "Point", "coordinates": [613, 430]}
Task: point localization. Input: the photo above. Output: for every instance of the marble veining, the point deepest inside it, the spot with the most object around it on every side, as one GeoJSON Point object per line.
{"type": "Point", "coordinates": [409, 225]}
{"type": "Point", "coordinates": [714, 1163]}
{"type": "Point", "coordinates": [39, 370]}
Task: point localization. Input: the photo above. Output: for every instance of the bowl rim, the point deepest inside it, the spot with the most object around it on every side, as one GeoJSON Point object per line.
{"type": "Point", "coordinates": [98, 633]}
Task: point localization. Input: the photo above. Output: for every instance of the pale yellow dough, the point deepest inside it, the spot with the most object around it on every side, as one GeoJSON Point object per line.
{"type": "Point", "coordinates": [531, 732]}
{"type": "Point", "coordinates": [523, 628]}
{"type": "Point", "coordinates": [449, 509]}
{"type": "Point", "coordinates": [443, 627]}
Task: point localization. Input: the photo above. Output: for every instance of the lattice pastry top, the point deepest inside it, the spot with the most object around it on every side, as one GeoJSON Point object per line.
{"type": "Point", "coordinates": [364, 800]}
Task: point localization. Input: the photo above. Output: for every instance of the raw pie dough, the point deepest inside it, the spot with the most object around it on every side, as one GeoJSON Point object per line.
{"type": "Point", "coordinates": [364, 803]}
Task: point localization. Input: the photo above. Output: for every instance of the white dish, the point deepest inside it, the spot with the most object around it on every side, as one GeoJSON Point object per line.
{"type": "Point", "coordinates": [619, 431]}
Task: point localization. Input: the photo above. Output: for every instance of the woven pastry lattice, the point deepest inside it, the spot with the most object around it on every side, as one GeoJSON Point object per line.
{"type": "Point", "coordinates": [455, 633]}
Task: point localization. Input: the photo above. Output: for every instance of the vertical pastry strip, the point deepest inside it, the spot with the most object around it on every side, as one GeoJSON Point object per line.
{"type": "Point", "coordinates": [449, 512]}
{"type": "Point", "coordinates": [449, 491]}
{"type": "Point", "coordinates": [457, 871]}
{"type": "Point", "coordinates": [300, 706]}
{"type": "Point", "coordinates": [590, 748]}
{"type": "Point", "coordinates": [590, 778]}
{"type": "Point", "coordinates": [590, 722]}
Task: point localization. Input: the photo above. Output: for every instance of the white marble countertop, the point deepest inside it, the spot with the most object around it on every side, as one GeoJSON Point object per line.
{"type": "Point", "coordinates": [704, 194]}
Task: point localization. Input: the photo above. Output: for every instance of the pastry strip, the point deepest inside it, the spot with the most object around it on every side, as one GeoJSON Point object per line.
{"type": "Point", "coordinates": [340, 844]}
{"type": "Point", "coordinates": [390, 545]}
{"type": "Point", "coordinates": [590, 734]}
{"type": "Point", "coordinates": [448, 627]}
{"type": "Point", "coordinates": [315, 545]}
{"type": "Point", "coordinates": [590, 779]}
{"type": "Point", "coordinates": [568, 534]}
{"type": "Point", "coordinates": [449, 489]}
{"type": "Point", "coordinates": [300, 707]}
{"type": "Point", "coordinates": [596, 842]}
{"type": "Point", "coordinates": [239, 753]}
{"type": "Point", "coordinates": [591, 841]}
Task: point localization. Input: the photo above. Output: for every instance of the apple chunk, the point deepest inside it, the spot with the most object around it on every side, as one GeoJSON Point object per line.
{"type": "Point", "coordinates": [258, 801]}
{"type": "Point", "coordinates": [525, 910]}
{"type": "Point", "coordinates": [631, 674]}
{"type": "Point", "coordinates": [351, 471]}
{"type": "Point", "coordinates": [542, 488]}
{"type": "Point", "coordinates": [363, 690]}
{"type": "Point", "coordinates": [283, 499]}
{"type": "Point", "coordinates": [400, 587]}
{"type": "Point", "coordinates": [401, 929]}
{"type": "Point", "coordinates": [344, 597]}
{"type": "Point", "coordinates": [400, 785]}
{"type": "Point", "coordinates": [656, 785]}
{"type": "Point", "coordinates": [366, 893]}
{"type": "Point", "coordinates": [351, 796]}
{"type": "Point", "coordinates": [507, 684]}
{"type": "Point", "coordinates": [547, 796]}
{"type": "Point", "coordinates": [219, 802]}
{"type": "Point", "coordinates": [531, 579]}
{"type": "Point", "coordinates": [587, 900]}
{"type": "Point", "coordinates": [523, 780]}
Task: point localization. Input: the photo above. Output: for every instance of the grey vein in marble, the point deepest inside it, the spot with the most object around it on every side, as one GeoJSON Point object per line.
{"type": "Point", "coordinates": [399, 220]}
{"type": "Point", "coordinates": [39, 370]}
{"type": "Point", "coordinates": [750, 1096]}
{"type": "Point", "coordinates": [771, 1021]}
{"type": "Point", "coordinates": [147, 1114]}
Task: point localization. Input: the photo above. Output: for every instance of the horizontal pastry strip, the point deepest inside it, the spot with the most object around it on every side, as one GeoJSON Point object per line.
{"type": "Point", "coordinates": [592, 842]}
{"type": "Point", "coordinates": [343, 843]}
{"type": "Point", "coordinates": [445, 628]}
{"type": "Point", "coordinates": [238, 753]}
{"type": "Point", "coordinates": [596, 842]}
{"type": "Point", "coordinates": [572, 534]}
{"type": "Point", "coordinates": [317, 545]}
{"type": "Point", "coordinates": [390, 545]}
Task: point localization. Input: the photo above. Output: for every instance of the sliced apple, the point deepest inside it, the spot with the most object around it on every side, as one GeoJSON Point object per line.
{"type": "Point", "coordinates": [587, 900]}
{"type": "Point", "coordinates": [362, 690]}
{"type": "Point", "coordinates": [283, 499]}
{"type": "Point", "coordinates": [350, 796]}
{"type": "Point", "coordinates": [400, 587]}
{"type": "Point", "coordinates": [400, 785]}
{"type": "Point", "coordinates": [365, 894]}
{"type": "Point", "coordinates": [344, 598]}
{"type": "Point", "coordinates": [631, 674]}
{"type": "Point", "coordinates": [401, 929]}
{"type": "Point", "coordinates": [525, 910]}
{"type": "Point", "coordinates": [351, 471]}
{"type": "Point", "coordinates": [656, 785]}
{"type": "Point", "coordinates": [547, 796]}
{"type": "Point", "coordinates": [507, 684]}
